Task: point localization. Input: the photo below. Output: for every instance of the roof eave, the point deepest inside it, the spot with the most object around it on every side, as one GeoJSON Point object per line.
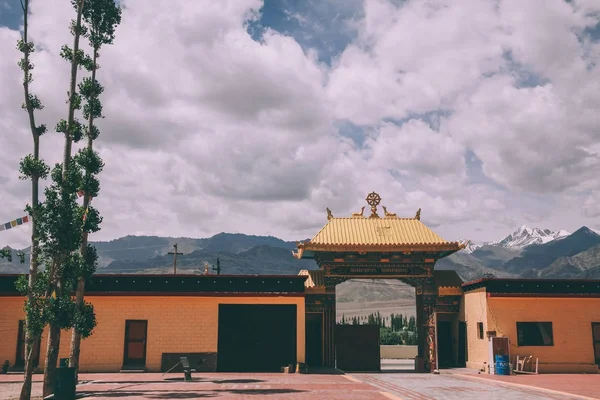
{"type": "Point", "coordinates": [444, 248]}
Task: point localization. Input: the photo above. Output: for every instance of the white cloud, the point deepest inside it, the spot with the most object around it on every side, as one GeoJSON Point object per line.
{"type": "Point", "coordinates": [207, 130]}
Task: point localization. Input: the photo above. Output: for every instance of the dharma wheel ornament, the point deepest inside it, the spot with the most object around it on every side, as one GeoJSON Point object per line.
{"type": "Point", "coordinates": [373, 199]}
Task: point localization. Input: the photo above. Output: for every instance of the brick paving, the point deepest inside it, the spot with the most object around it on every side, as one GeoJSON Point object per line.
{"type": "Point", "coordinates": [222, 386]}
{"type": "Point", "coordinates": [578, 384]}
{"type": "Point", "coordinates": [409, 386]}
{"type": "Point", "coordinates": [398, 386]}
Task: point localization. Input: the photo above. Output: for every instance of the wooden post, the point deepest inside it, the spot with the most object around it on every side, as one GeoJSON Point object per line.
{"type": "Point", "coordinates": [174, 252]}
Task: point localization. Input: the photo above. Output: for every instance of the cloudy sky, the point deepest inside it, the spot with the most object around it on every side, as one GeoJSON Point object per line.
{"type": "Point", "coordinates": [254, 116]}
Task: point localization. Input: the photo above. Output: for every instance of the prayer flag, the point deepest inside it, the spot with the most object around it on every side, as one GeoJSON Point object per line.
{"type": "Point", "coordinates": [2, 227]}
{"type": "Point", "coordinates": [26, 219]}
{"type": "Point", "coordinates": [13, 223]}
{"type": "Point", "coordinates": [19, 221]}
{"type": "Point", "coordinates": [7, 225]}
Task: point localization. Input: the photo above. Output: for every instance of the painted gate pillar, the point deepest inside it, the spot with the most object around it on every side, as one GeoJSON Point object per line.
{"type": "Point", "coordinates": [329, 316]}
{"type": "Point", "coordinates": [426, 295]}
{"type": "Point", "coordinates": [323, 302]}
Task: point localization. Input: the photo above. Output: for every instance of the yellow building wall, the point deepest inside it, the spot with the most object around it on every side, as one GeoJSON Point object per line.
{"type": "Point", "coordinates": [175, 325]}
{"type": "Point", "coordinates": [571, 325]}
{"type": "Point", "coordinates": [474, 304]}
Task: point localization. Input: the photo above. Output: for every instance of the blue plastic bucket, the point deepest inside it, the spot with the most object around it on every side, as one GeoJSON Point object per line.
{"type": "Point", "coordinates": [502, 365]}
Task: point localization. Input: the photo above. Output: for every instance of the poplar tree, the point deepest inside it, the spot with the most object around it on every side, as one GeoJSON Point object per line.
{"type": "Point", "coordinates": [101, 17]}
{"type": "Point", "coordinates": [33, 168]}
{"type": "Point", "coordinates": [63, 216]}
{"type": "Point", "coordinates": [59, 239]}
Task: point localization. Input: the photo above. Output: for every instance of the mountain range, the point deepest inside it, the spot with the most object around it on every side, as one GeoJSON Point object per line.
{"type": "Point", "coordinates": [527, 252]}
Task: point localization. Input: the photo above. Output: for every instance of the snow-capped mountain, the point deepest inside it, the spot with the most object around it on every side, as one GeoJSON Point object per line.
{"type": "Point", "coordinates": [471, 246]}
{"type": "Point", "coordinates": [525, 236]}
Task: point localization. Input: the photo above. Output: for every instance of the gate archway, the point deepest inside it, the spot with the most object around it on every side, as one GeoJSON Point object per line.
{"type": "Point", "coordinates": [375, 247]}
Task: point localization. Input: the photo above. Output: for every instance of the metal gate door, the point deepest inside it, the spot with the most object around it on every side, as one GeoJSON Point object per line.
{"type": "Point", "coordinates": [357, 348]}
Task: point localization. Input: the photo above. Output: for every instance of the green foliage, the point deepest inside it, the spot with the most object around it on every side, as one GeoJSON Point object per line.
{"type": "Point", "coordinates": [387, 336]}
{"type": "Point", "coordinates": [60, 218]}
{"type": "Point", "coordinates": [396, 322]}
{"type": "Point", "coordinates": [84, 320]}
{"type": "Point", "coordinates": [89, 263]}
{"type": "Point", "coordinates": [102, 17]}
{"type": "Point", "coordinates": [26, 66]}
{"type": "Point", "coordinates": [412, 324]}
{"type": "Point", "coordinates": [35, 103]}
{"type": "Point", "coordinates": [77, 129]}
{"type": "Point", "coordinates": [7, 254]}
{"type": "Point", "coordinates": [399, 331]}
{"type": "Point", "coordinates": [91, 162]}
{"type": "Point", "coordinates": [30, 168]}
{"type": "Point", "coordinates": [83, 59]}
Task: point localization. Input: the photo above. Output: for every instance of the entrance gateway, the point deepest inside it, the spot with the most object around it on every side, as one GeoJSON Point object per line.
{"type": "Point", "coordinates": [381, 247]}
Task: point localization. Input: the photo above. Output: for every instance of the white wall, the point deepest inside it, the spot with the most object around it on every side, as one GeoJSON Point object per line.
{"type": "Point", "coordinates": [398, 351]}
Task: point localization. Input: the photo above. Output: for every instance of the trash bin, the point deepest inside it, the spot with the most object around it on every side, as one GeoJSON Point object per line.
{"type": "Point", "coordinates": [66, 384]}
{"type": "Point", "coordinates": [502, 365]}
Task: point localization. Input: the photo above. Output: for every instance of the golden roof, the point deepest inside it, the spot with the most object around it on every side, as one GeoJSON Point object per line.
{"type": "Point", "coordinates": [384, 234]}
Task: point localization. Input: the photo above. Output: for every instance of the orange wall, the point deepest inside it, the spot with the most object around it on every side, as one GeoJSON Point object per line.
{"type": "Point", "coordinates": [175, 324]}
{"type": "Point", "coordinates": [571, 325]}
{"type": "Point", "coordinates": [475, 310]}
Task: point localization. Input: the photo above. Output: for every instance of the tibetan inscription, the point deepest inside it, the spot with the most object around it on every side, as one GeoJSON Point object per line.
{"type": "Point", "coordinates": [383, 271]}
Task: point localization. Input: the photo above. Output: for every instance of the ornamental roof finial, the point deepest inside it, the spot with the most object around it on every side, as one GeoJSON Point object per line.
{"type": "Point", "coordinates": [373, 199]}
{"type": "Point", "coordinates": [418, 215]}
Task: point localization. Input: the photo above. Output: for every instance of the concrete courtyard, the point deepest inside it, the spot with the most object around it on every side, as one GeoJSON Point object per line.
{"type": "Point", "coordinates": [392, 385]}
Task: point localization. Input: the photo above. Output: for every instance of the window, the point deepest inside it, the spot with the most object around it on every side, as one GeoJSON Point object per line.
{"type": "Point", "coordinates": [480, 330]}
{"type": "Point", "coordinates": [535, 334]}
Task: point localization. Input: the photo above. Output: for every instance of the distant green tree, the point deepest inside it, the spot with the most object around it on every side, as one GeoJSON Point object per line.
{"type": "Point", "coordinates": [7, 254]}
{"type": "Point", "coordinates": [389, 337]}
{"type": "Point", "coordinates": [412, 324]}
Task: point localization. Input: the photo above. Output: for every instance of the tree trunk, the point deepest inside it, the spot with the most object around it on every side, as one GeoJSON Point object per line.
{"type": "Point", "coordinates": [30, 340]}
{"type": "Point", "coordinates": [72, 88]}
{"type": "Point", "coordinates": [54, 336]}
{"type": "Point", "coordinates": [28, 373]}
{"type": "Point", "coordinates": [51, 359]}
{"type": "Point", "coordinates": [76, 337]}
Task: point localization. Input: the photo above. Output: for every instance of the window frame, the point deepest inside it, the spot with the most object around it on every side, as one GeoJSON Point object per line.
{"type": "Point", "coordinates": [480, 331]}
{"type": "Point", "coordinates": [550, 333]}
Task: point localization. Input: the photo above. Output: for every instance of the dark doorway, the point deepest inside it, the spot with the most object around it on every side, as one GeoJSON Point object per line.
{"type": "Point", "coordinates": [596, 341]}
{"type": "Point", "coordinates": [256, 338]}
{"type": "Point", "coordinates": [136, 332]}
{"type": "Point", "coordinates": [444, 344]}
{"type": "Point", "coordinates": [314, 339]}
{"type": "Point", "coordinates": [20, 357]}
{"type": "Point", "coordinates": [357, 348]}
{"type": "Point", "coordinates": [462, 344]}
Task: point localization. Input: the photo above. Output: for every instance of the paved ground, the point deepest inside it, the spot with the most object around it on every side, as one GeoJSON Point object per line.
{"type": "Point", "coordinates": [409, 386]}
{"type": "Point", "coordinates": [393, 385]}
{"type": "Point", "coordinates": [582, 385]}
{"type": "Point", "coordinates": [222, 386]}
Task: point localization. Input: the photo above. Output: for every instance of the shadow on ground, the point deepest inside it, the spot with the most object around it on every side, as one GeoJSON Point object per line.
{"type": "Point", "coordinates": [178, 394]}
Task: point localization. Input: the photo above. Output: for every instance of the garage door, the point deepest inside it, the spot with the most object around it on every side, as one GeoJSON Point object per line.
{"type": "Point", "coordinates": [256, 338]}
